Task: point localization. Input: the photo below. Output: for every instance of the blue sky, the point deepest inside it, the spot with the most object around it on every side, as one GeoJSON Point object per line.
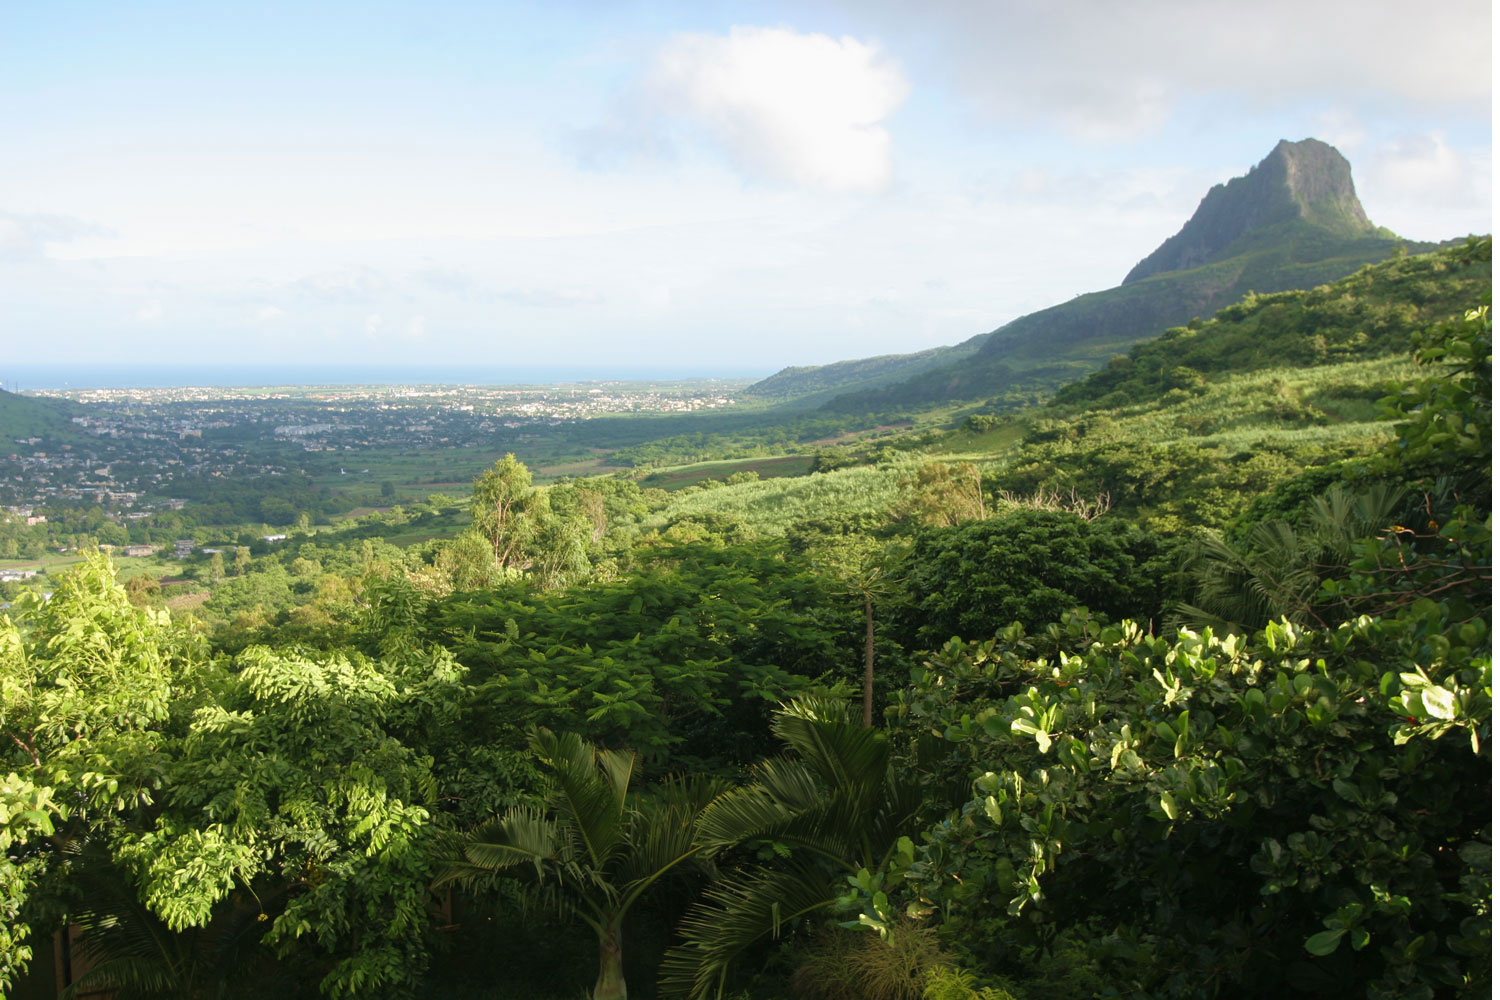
{"type": "Point", "coordinates": [715, 187]}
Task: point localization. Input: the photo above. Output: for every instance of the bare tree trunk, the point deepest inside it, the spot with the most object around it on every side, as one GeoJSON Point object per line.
{"type": "Point", "coordinates": [869, 662]}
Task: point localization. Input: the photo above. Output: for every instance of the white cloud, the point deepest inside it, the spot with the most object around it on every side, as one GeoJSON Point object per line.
{"type": "Point", "coordinates": [657, 298]}
{"type": "Point", "coordinates": [1418, 163]}
{"type": "Point", "coordinates": [150, 312]}
{"type": "Point", "coordinates": [448, 280]}
{"type": "Point", "coordinates": [269, 314]}
{"type": "Point", "coordinates": [1342, 129]}
{"type": "Point", "coordinates": [1110, 71]}
{"type": "Point", "coordinates": [549, 297]}
{"type": "Point", "coordinates": [14, 239]}
{"type": "Point", "coordinates": [800, 108]}
{"type": "Point", "coordinates": [1423, 187]}
{"type": "Point", "coordinates": [417, 328]}
{"type": "Point", "coordinates": [30, 235]}
{"type": "Point", "coordinates": [348, 284]}
{"type": "Point", "coordinates": [373, 323]}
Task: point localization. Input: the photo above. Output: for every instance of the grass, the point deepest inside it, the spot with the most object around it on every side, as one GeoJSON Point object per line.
{"type": "Point", "coordinates": [770, 506]}
{"type": "Point", "coordinates": [126, 566]}
{"type": "Point", "coordinates": [768, 468]}
{"type": "Point", "coordinates": [576, 470]}
{"type": "Point", "coordinates": [188, 602]}
{"type": "Point", "coordinates": [969, 446]}
{"type": "Point", "coordinates": [406, 539]}
{"type": "Point", "coordinates": [47, 562]}
{"type": "Point", "coordinates": [1311, 411]}
{"type": "Point", "coordinates": [415, 475]}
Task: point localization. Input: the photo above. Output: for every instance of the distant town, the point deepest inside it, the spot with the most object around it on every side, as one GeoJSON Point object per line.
{"type": "Point", "coordinates": [132, 448]}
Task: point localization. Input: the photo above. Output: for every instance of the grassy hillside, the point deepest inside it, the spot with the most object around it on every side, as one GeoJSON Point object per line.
{"type": "Point", "coordinates": [1185, 427]}
{"type": "Point", "coordinates": [24, 417]}
{"type": "Point", "coordinates": [1183, 458]}
{"type": "Point", "coordinates": [771, 507]}
{"type": "Point", "coordinates": [682, 476]}
{"type": "Point", "coordinates": [816, 384]}
{"type": "Point", "coordinates": [1368, 314]}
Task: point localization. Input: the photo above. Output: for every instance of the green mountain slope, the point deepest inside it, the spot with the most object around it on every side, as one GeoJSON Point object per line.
{"type": "Point", "coordinates": [1293, 222]}
{"type": "Point", "coordinates": [24, 417]}
{"type": "Point", "coordinates": [813, 385]}
{"type": "Point", "coordinates": [1188, 428]}
{"type": "Point", "coordinates": [1369, 314]}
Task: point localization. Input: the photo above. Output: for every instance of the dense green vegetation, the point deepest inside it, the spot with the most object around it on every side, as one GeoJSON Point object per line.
{"type": "Point", "coordinates": [48, 419]}
{"type": "Point", "coordinates": [1179, 690]}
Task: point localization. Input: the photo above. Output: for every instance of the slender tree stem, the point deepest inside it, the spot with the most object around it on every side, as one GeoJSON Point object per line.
{"type": "Point", "coordinates": [869, 662]}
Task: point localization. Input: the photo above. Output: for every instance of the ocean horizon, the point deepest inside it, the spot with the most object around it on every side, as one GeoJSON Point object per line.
{"type": "Point", "coordinates": [23, 377]}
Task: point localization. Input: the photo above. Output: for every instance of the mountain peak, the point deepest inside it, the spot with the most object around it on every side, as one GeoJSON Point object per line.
{"type": "Point", "coordinates": [1307, 181]}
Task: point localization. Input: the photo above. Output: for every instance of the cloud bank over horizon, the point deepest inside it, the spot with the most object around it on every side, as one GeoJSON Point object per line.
{"type": "Point", "coordinates": [737, 187]}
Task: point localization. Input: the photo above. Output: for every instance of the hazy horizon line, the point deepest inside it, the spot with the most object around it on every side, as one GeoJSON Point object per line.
{"type": "Point", "coordinates": [56, 376]}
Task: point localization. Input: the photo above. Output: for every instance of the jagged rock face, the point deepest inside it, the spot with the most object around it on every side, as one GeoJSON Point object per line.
{"type": "Point", "coordinates": [1307, 180]}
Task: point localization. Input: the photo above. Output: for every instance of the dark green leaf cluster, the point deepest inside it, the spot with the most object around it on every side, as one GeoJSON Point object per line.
{"type": "Point", "coordinates": [1205, 815]}
{"type": "Point", "coordinates": [683, 659]}
{"type": "Point", "coordinates": [1029, 566]}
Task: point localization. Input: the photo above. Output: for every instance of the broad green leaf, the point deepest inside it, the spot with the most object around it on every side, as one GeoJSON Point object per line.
{"type": "Point", "coordinates": [1439, 702]}
{"type": "Point", "coordinates": [1324, 943]}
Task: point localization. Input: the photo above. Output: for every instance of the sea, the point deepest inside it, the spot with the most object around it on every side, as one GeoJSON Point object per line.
{"type": "Point", "coordinates": [84, 375]}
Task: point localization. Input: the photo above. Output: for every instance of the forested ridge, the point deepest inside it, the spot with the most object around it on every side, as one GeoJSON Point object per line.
{"type": "Point", "coordinates": [1175, 686]}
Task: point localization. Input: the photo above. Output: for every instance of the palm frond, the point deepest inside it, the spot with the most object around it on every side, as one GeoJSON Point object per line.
{"type": "Point", "coordinates": [134, 954]}
{"type": "Point", "coordinates": [664, 836]}
{"type": "Point", "coordinates": [835, 827]}
{"type": "Point", "coordinates": [589, 788]}
{"type": "Point", "coordinates": [899, 810]}
{"type": "Point", "coordinates": [735, 915]}
{"type": "Point", "coordinates": [842, 753]}
{"type": "Point", "coordinates": [790, 782]}
{"type": "Point", "coordinates": [1185, 615]}
{"type": "Point", "coordinates": [128, 977]}
{"type": "Point", "coordinates": [696, 790]}
{"type": "Point", "coordinates": [522, 836]}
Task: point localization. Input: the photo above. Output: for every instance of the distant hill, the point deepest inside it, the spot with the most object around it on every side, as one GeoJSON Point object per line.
{"type": "Point", "coordinates": [813, 385]}
{"type": "Point", "coordinates": [1294, 221]}
{"type": "Point", "coordinates": [27, 417]}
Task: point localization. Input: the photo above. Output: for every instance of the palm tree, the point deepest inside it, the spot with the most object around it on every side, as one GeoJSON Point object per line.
{"type": "Point", "coordinates": [595, 848]}
{"type": "Point", "coordinates": [835, 806]}
{"type": "Point", "coordinates": [1279, 571]}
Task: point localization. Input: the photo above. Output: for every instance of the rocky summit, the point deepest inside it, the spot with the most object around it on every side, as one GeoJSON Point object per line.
{"type": "Point", "coordinates": [1308, 181]}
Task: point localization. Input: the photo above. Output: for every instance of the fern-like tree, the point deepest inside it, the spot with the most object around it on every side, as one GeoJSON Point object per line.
{"type": "Point", "coordinates": [867, 572]}
{"type": "Point", "coordinates": [595, 848]}
{"type": "Point", "coordinates": [835, 807]}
